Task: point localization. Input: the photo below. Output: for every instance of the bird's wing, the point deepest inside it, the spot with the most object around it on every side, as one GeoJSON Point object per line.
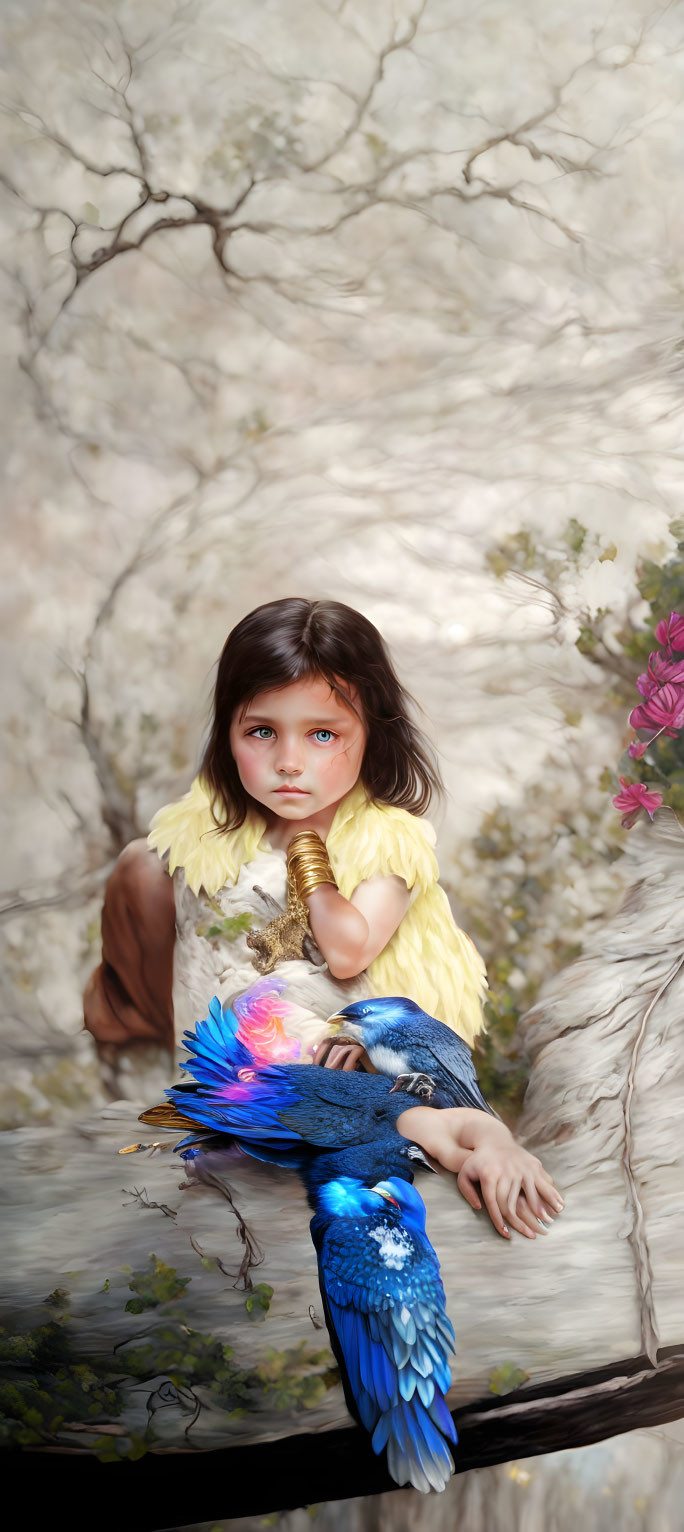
{"type": "Point", "coordinates": [455, 1058]}
{"type": "Point", "coordinates": [249, 1114]}
{"type": "Point", "coordinates": [234, 1093]}
{"type": "Point", "coordinates": [288, 1103]}
{"type": "Point", "coordinates": [231, 1093]}
{"type": "Point", "coordinates": [336, 1109]}
{"type": "Point", "coordinates": [215, 1048]}
{"type": "Point", "coordinates": [393, 1346]}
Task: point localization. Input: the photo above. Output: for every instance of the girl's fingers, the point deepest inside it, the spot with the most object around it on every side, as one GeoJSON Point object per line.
{"type": "Point", "coordinates": [467, 1189]}
{"type": "Point", "coordinates": [513, 1213]}
{"type": "Point", "coordinates": [549, 1213]}
{"type": "Point", "coordinates": [550, 1194]}
{"type": "Point", "coordinates": [334, 1055]}
{"type": "Point", "coordinates": [354, 1057]}
{"type": "Point", "coordinates": [525, 1213]}
{"type": "Point", "coordinates": [339, 1055]}
{"type": "Point", "coordinates": [531, 1194]}
{"type": "Point", "coordinates": [321, 1051]}
{"type": "Point", "coordinates": [548, 1190]}
{"type": "Point", "coordinates": [488, 1188]}
{"type": "Point", "coordinates": [513, 1195]}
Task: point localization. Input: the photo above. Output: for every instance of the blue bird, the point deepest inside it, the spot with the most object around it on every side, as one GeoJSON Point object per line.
{"type": "Point", "coordinates": [384, 1303]}
{"type": "Point", "coordinates": [379, 1276]}
{"type": "Point", "coordinates": [417, 1051]}
{"type": "Point", "coordinates": [274, 1110]}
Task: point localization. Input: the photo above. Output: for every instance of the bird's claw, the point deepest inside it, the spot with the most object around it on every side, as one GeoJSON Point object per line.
{"type": "Point", "coordinates": [420, 1085]}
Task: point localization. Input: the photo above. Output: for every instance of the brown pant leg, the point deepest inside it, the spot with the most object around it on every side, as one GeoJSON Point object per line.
{"type": "Point", "coordinates": [130, 994]}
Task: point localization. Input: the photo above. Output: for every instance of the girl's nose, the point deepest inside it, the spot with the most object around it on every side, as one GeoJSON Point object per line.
{"type": "Point", "coordinates": [289, 761]}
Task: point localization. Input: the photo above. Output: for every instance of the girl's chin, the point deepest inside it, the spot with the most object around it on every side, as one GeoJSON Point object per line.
{"type": "Point", "coordinates": [285, 807]}
{"type": "Point", "coordinates": [292, 808]}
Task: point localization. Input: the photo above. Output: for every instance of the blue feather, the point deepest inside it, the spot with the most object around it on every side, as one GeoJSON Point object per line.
{"type": "Point", "coordinates": [407, 1383]}
{"type": "Point", "coordinates": [396, 1372]}
{"type": "Point", "coordinates": [393, 1028]}
{"type": "Point", "coordinates": [382, 1291]}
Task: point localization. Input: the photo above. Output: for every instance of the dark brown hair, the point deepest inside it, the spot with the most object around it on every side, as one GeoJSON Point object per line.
{"type": "Point", "coordinates": [292, 640]}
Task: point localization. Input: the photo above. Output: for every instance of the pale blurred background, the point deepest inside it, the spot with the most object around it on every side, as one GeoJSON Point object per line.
{"type": "Point", "coordinates": [380, 303]}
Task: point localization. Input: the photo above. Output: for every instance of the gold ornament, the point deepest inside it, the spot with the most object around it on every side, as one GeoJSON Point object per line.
{"type": "Point", "coordinates": [308, 865]}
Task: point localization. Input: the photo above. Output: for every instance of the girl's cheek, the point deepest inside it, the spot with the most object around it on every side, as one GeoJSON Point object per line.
{"type": "Point", "coordinates": [343, 764]}
{"type": "Point", "coordinates": [248, 767]}
{"type": "Point", "coordinates": [333, 760]}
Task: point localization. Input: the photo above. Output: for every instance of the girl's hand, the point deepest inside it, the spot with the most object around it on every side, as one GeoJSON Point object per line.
{"type": "Point", "coordinates": [334, 1055]}
{"type": "Point", "coordinates": [515, 1188]}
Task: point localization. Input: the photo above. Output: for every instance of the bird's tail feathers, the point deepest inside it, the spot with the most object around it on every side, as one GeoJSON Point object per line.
{"type": "Point", "coordinates": [247, 1111]}
{"type": "Point", "coordinates": [217, 1052]}
{"type": "Point", "coordinates": [232, 1091]}
{"type": "Point", "coordinates": [470, 1095]}
{"type": "Point", "coordinates": [417, 1450]}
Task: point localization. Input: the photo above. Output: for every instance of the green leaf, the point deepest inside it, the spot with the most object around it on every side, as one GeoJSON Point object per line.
{"type": "Point", "coordinates": [154, 1284]}
{"type": "Point", "coordinates": [138, 1448]}
{"type": "Point", "coordinates": [608, 781]}
{"type": "Point", "coordinates": [258, 1302]}
{"type": "Point", "coordinates": [58, 1299]}
{"type": "Point", "coordinates": [507, 1377]}
{"type": "Point", "coordinates": [573, 717]}
{"type": "Point", "coordinates": [575, 534]}
{"type": "Point", "coordinates": [230, 927]}
{"type": "Point", "coordinates": [104, 1450]}
{"type": "Point", "coordinates": [586, 641]}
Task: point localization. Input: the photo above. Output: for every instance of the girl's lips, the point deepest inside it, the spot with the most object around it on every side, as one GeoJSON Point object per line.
{"type": "Point", "coordinates": [302, 791]}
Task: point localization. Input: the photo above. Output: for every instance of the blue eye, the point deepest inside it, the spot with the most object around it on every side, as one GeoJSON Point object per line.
{"type": "Point", "coordinates": [328, 732]}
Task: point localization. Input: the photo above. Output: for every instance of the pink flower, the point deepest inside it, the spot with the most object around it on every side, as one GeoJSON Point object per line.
{"type": "Point", "coordinates": [671, 631]}
{"type": "Point", "coordinates": [667, 670]}
{"type": "Point", "coordinates": [663, 710]}
{"type": "Point", "coordinates": [634, 797]}
{"type": "Point", "coordinates": [638, 748]}
{"type": "Point", "coordinates": [646, 682]}
{"type": "Point", "coordinates": [659, 671]}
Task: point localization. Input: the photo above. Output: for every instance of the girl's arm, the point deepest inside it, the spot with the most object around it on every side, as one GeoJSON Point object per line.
{"type": "Point", "coordinates": [478, 1148]}
{"type": "Point", "coordinates": [350, 933]}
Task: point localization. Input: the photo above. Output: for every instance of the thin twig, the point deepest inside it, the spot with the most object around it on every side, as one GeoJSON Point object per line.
{"type": "Point", "coordinates": [253, 1254]}
{"type": "Point", "coordinates": [141, 1197]}
{"type": "Point", "coordinates": [204, 1257]}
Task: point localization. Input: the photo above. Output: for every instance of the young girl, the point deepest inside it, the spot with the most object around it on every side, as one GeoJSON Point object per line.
{"type": "Point", "coordinates": [308, 804]}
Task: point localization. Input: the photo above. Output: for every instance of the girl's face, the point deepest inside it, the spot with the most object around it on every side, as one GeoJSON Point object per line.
{"type": "Point", "coordinates": [298, 749]}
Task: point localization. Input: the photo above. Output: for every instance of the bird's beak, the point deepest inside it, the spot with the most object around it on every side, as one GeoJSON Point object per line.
{"type": "Point", "coordinates": [351, 1031]}
{"type": "Point", "coordinates": [387, 1196]}
{"type": "Point", "coordinates": [416, 1153]}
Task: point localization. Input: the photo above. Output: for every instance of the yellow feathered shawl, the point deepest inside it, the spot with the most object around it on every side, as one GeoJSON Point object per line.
{"type": "Point", "coordinates": [429, 959]}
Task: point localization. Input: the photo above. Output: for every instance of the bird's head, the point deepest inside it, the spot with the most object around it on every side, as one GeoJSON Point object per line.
{"type": "Point", "coordinates": [405, 1197]}
{"type": "Point", "coordinates": [347, 1197]}
{"type": "Point", "coordinates": [369, 1021]}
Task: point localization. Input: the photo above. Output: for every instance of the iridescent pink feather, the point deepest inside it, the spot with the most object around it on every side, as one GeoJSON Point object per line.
{"type": "Point", "coordinates": [262, 1016]}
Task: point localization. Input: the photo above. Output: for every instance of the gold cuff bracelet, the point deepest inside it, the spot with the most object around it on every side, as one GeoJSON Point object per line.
{"type": "Point", "coordinates": [308, 863]}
